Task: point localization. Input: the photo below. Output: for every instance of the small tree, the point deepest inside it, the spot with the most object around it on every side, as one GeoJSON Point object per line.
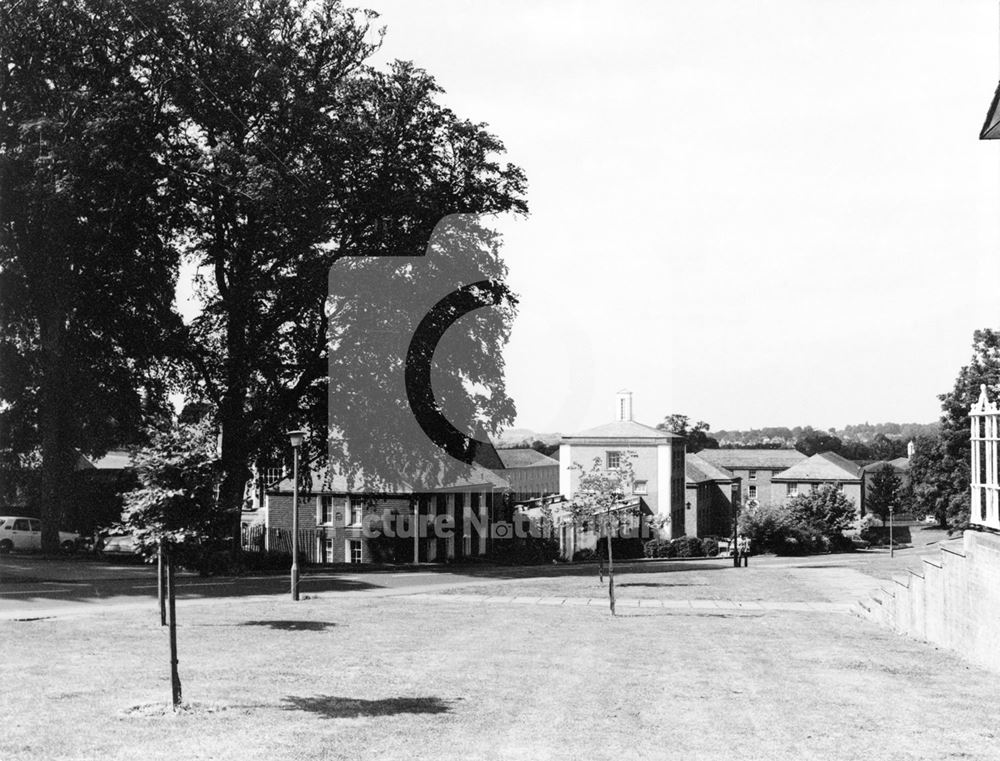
{"type": "Point", "coordinates": [827, 509]}
{"type": "Point", "coordinates": [886, 490]}
{"type": "Point", "coordinates": [600, 491]}
{"type": "Point", "coordinates": [175, 505]}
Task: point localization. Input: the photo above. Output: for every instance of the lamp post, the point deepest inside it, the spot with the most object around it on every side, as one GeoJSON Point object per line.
{"type": "Point", "coordinates": [295, 437]}
{"type": "Point", "coordinates": [892, 546]}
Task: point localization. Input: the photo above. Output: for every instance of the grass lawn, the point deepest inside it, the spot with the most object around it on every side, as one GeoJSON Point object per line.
{"type": "Point", "coordinates": [446, 679]}
{"type": "Point", "coordinates": [707, 579]}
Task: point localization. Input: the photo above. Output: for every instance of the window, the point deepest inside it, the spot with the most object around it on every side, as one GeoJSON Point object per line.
{"type": "Point", "coordinates": [21, 524]}
{"type": "Point", "coordinates": [840, 485]}
{"type": "Point", "coordinates": [614, 460]}
{"type": "Point", "coordinates": [326, 509]}
{"type": "Point", "coordinates": [357, 510]}
{"type": "Point", "coordinates": [36, 525]}
{"type": "Point", "coordinates": [328, 551]}
{"type": "Point", "coordinates": [273, 475]}
{"type": "Point", "coordinates": [639, 487]}
{"type": "Point", "coordinates": [813, 488]}
{"type": "Point", "coordinates": [354, 551]}
{"type": "Point", "coordinates": [752, 475]}
{"type": "Point", "coordinates": [793, 490]}
{"type": "Point", "coordinates": [752, 491]}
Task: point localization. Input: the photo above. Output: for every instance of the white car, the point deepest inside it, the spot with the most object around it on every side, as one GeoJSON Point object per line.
{"type": "Point", "coordinates": [20, 533]}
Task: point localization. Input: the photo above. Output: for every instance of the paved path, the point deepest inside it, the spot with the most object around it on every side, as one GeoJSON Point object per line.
{"type": "Point", "coordinates": [706, 606]}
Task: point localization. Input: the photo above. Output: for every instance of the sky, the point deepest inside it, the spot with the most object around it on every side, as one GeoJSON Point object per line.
{"type": "Point", "coordinates": [752, 213]}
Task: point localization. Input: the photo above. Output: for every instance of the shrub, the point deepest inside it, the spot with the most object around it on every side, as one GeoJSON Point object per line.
{"type": "Point", "coordinates": [659, 548]}
{"type": "Point", "coordinates": [782, 530]}
{"type": "Point", "coordinates": [269, 560]}
{"type": "Point", "coordinates": [710, 546]}
{"type": "Point", "coordinates": [869, 529]}
{"type": "Point", "coordinates": [840, 543]}
{"type": "Point", "coordinates": [622, 547]}
{"type": "Point", "coordinates": [584, 555]}
{"type": "Point", "coordinates": [688, 547]}
{"type": "Point", "coordinates": [827, 510]}
{"type": "Point", "coordinates": [528, 550]}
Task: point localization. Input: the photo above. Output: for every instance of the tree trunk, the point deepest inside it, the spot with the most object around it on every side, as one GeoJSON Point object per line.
{"type": "Point", "coordinates": [160, 573]}
{"type": "Point", "coordinates": [611, 575]}
{"type": "Point", "coordinates": [234, 457]}
{"type": "Point", "coordinates": [175, 679]}
{"type": "Point", "coordinates": [55, 414]}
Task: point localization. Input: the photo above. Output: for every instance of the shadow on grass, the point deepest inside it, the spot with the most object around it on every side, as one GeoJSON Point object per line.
{"type": "Point", "coordinates": [333, 707]}
{"type": "Point", "coordinates": [656, 584]}
{"type": "Point", "coordinates": [293, 626]}
{"type": "Point", "coordinates": [698, 614]}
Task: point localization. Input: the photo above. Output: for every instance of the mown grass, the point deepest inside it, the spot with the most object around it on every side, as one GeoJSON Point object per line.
{"type": "Point", "coordinates": [411, 679]}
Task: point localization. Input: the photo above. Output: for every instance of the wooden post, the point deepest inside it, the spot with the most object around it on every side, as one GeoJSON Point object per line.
{"type": "Point", "coordinates": [160, 596]}
{"type": "Point", "coordinates": [175, 680]}
{"type": "Point", "coordinates": [416, 530]}
{"type": "Point", "coordinates": [611, 574]}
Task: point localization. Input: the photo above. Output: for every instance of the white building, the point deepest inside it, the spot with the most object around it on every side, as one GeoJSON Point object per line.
{"type": "Point", "coordinates": [657, 460]}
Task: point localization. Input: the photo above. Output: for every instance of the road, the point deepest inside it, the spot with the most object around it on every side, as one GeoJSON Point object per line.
{"type": "Point", "coordinates": [35, 586]}
{"type": "Point", "coordinates": [38, 586]}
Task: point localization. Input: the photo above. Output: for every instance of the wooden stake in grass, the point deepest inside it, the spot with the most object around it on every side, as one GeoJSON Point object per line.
{"type": "Point", "coordinates": [600, 495]}
{"type": "Point", "coordinates": [160, 570]}
{"type": "Point", "coordinates": [175, 680]}
{"type": "Point", "coordinates": [611, 570]}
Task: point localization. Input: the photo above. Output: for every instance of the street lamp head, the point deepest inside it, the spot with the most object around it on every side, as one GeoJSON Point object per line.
{"type": "Point", "coordinates": [296, 437]}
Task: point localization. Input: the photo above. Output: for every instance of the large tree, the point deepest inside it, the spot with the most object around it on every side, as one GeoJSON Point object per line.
{"type": "Point", "coordinates": [940, 467]}
{"type": "Point", "coordinates": [885, 491]}
{"type": "Point", "coordinates": [294, 155]}
{"type": "Point", "coordinates": [695, 435]}
{"type": "Point", "coordinates": [86, 275]}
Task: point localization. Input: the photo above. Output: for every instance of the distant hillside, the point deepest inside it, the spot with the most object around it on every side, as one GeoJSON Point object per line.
{"type": "Point", "coordinates": [862, 433]}
{"type": "Point", "coordinates": [515, 438]}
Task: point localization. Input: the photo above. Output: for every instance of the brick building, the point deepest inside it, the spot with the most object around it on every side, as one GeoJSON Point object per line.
{"type": "Point", "coordinates": [709, 495]}
{"type": "Point", "coordinates": [754, 468]}
{"type": "Point", "coordinates": [339, 523]}
{"type": "Point", "coordinates": [530, 473]}
{"type": "Point", "coordinates": [823, 468]}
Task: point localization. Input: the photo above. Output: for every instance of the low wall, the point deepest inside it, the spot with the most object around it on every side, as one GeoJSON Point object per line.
{"type": "Point", "coordinates": [953, 602]}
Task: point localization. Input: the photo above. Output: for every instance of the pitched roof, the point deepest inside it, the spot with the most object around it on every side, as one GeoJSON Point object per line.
{"type": "Point", "coordinates": [323, 482]}
{"type": "Point", "coordinates": [752, 459]}
{"type": "Point", "coordinates": [697, 470]}
{"type": "Point", "coordinates": [900, 463]}
{"type": "Point", "coordinates": [525, 458]}
{"type": "Point", "coordinates": [624, 429]}
{"type": "Point", "coordinates": [822, 466]}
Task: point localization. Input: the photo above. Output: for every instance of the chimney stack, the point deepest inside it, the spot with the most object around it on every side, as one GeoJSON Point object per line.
{"type": "Point", "coordinates": [623, 406]}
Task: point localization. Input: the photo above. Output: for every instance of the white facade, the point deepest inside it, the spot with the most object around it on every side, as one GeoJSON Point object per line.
{"type": "Point", "coordinates": [657, 459]}
{"type": "Point", "coordinates": [985, 429]}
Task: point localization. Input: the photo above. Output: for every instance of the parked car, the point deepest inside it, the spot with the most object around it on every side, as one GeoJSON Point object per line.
{"type": "Point", "coordinates": [120, 545]}
{"type": "Point", "coordinates": [20, 533]}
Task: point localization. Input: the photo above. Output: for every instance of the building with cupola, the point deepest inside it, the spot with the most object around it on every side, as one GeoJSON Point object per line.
{"type": "Point", "coordinates": [657, 459]}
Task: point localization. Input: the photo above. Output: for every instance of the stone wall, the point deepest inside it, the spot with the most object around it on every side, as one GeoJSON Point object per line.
{"type": "Point", "coordinates": [952, 602]}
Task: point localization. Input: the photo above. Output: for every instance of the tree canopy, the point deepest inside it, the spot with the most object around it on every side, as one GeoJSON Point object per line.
{"type": "Point", "coordinates": [86, 270]}
{"type": "Point", "coordinates": [940, 467]}
{"type": "Point", "coordinates": [885, 491]}
{"type": "Point", "coordinates": [255, 143]}
{"type": "Point", "coordinates": [696, 435]}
